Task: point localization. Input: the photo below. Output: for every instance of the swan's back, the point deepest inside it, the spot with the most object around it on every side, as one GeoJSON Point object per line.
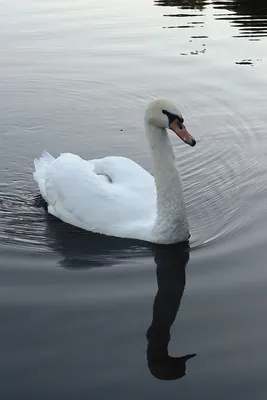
{"type": "Point", "coordinates": [76, 194]}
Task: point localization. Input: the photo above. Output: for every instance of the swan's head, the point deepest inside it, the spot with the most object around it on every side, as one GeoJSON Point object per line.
{"type": "Point", "coordinates": [162, 113]}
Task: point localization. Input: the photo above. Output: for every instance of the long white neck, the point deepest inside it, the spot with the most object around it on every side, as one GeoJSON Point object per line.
{"type": "Point", "coordinates": [171, 223]}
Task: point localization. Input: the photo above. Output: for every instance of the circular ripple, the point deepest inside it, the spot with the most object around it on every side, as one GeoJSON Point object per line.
{"type": "Point", "coordinates": [225, 181]}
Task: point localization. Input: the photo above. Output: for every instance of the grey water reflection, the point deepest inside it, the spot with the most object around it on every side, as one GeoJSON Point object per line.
{"type": "Point", "coordinates": [184, 4]}
{"type": "Point", "coordinates": [250, 17]}
{"type": "Point", "coordinates": [187, 19]}
{"type": "Point", "coordinates": [80, 249]}
{"type": "Point", "coordinates": [171, 262]}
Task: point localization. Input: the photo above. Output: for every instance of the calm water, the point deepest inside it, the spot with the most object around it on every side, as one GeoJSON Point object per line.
{"type": "Point", "coordinates": [88, 317]}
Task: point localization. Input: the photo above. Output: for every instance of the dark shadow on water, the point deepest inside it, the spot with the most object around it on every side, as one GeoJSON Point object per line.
{"type": "Point", "coordinates": [171, 262]}
{"type": "Point", "coordinates": [82, 249]}
{"type": "Point", "coordinates": [249, 16]}
{"type": "Point", "coordinates": [184, 4]}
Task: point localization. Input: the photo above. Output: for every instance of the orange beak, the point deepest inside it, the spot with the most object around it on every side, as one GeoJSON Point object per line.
{"type": "Point", "coordinates": [181, 131]}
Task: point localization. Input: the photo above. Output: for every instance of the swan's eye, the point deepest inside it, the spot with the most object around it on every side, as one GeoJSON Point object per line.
{"type": "Point", "coordinates": [173, 117]}
{"type": "Point", "coordinates": [180, 124]}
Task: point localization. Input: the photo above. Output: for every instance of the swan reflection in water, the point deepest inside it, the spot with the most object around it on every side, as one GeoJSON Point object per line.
{"type": "Point", "coordinates": [82, 249]}
{"type": "Point", "coordinates": [171, 263]}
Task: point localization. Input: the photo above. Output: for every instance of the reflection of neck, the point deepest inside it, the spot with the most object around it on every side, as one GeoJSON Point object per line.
{"type": "Point", "coordinates": [171, 262]}
{"type": "Point", "coordinates": [171, 284]}
{"type": "Point", "coordinates": [171, 222]}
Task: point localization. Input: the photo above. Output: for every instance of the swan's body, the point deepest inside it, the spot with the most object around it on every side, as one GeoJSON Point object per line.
{"type": "Point", "coordinates": [114, 195]}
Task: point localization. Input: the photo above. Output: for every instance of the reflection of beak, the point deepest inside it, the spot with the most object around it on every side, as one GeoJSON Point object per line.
{"type": "Point", "coordinates": [181, 131]}
{"type": "Point", "coordinates": [187, 357]}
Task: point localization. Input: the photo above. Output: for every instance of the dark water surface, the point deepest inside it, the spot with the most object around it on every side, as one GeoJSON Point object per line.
{"type": "Point", "coordinates": [88, 317]}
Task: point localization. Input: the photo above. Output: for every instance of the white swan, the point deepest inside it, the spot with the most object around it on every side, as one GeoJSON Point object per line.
{"type": "Point", "coordinates": [114, 195]}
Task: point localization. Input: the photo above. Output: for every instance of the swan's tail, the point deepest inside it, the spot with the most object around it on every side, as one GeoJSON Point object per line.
{"type": "Point", "coordinates": [41, 165]}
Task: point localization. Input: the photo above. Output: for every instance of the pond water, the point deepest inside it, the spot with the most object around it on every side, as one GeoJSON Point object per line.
{"type": "Point", "coordinates": [86, 316]}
